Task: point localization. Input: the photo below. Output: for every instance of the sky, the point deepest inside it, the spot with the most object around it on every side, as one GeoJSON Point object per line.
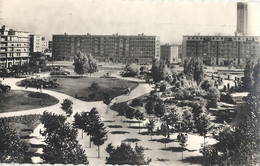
{"type": "Point", "coordinates": [169, 19]}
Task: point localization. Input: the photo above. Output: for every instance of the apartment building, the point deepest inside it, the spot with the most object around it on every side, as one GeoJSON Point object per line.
{"type": "Point", "coordinates": [222, 50]}
{"type": "Point", "coordinates": [115, 48]}
{"type": "Point", "coordinates": [14, 47]}
{"type": "Point", "coordinates": [169, 53]}
{"type": "Point", "coordinates": [38, 43]}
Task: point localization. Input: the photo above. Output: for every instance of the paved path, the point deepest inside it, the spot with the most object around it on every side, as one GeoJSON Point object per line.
{"type": "Point", "coordinates": [154, 148]}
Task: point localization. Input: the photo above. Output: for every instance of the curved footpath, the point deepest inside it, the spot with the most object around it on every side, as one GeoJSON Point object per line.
{"type": "Point", "coordinates": [154, 150]}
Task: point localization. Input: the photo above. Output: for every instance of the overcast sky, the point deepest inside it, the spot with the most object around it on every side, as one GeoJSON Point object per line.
{"type": "Point", "coordinates": [169, 19]}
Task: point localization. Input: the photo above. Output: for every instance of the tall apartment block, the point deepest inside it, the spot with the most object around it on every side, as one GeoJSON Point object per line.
{"type": "Point", "coordinates": [115, 48]}
{"type": "Point", "coordinates": [169, 53]}
{"type": "Point", "coordinates": [222, 50]}
{"type": "Point", "coordinates": [38, 43]}
{"type": "Point", "coordinates": [14, 48]}
{"type": "Point", "coordinates": [242, 19]}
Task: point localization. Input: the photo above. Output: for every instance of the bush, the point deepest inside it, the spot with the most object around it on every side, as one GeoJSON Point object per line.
{"type": "Point", "coordinates": [94, 86]}
{"type": "Point", "coordinates": [163, 87]}
{"type": "Point", "coordinates": [125, 154]}
{"type": "Point", "coordinates": [137, 102]}
{"type": "Point", "coordinates": [92, 95]}
{"type": "Point", "coordinates": [227, 98]}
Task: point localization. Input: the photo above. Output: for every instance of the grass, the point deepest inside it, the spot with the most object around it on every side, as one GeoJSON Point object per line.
{"type": "Point", "coordinates": [79, 87]}
{"type": "Point", "coordinates": [18, 100]}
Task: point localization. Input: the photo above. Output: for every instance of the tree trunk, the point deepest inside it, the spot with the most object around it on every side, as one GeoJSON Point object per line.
{"type": "Point", "coordinates": [98, 152]}
{"type": "Point", "coordinates": [90, 141]}
{"type": "Point", "coordinates": [204, 142]}
{"type": "Point", "coordinates": [151, 136]}
{"type": "Point", "coordinates": [164, 145]}
{"type": "Point", "coordinates": [82, 133]}
{"type": "Point", "coordinates": [107, 109]}
{"type": "Point", "coordinates": [139, 128]}
{"type": "Point", "coordinates": [121, 117]}
{"type": "Point", "coordinates": [182, 155]}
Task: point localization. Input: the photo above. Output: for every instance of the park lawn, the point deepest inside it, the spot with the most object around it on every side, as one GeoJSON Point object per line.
{"type": "Point", "coordinates": [18, 100]}
{"type": "Point", "coordinates": [79, 87]}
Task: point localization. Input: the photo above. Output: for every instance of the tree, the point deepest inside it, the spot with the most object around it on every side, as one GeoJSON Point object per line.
{"type": "Point", "coordinates": [93, 118]}
{"type": "Point", "coordinates": [149, 107]}
{"type": "Point", "coordinates": [125, 154]}
{"type": "Point", "coordinates": [182, 138]}
{"type": "Point", "coordinates": [188, 120]}
{"type": "Point", "coordinates": [159, 109]}
{"type": "Point", "coordinates": [81, 121]}
{"type": "Point", "coordinates": [202, 125]}
{"type": "Point", "coordinates": [62, 147]}
{"type": "Point", "coordinates": [193, 69]}
{"type": "Point", "coordinates": [12, 149]}
{"type": "Point", "coordinates": [160, 71]}
{"type": "Point", "coordinates": [66, 106]}
{"type": "Point", "coordinates": [164, 132]}
{"type": "Point", "coordinates": [94, 86]}
{"type": "Point", "coordinates": [100, 134]}
{"type": "Point", "coordinates": [213, 97]}
{"type": "Point", "coordinates": [131, 70]}
{"type": "Point", "coordinates": [84, 63]}
{"type": "Point", "coordinates": [130, 114]}
{"type": "Point", "coordinates": [107, 99]}
{"type": "Point", "coordinates": [139, 116]}
{"type": "Point", "coordinates": [248, 76]}
{"type": "Point", "coordinates": [51, 121]}
{"type": "Point", "coordinates": [150, 126]}
{"type": "Point", "coordinates": [170, 118]}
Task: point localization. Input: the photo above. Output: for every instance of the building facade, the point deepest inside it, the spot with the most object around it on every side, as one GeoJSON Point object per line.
{"type": "Point", "coordinates": [242, 18]}
{"type": "Point", "coordinates": [222, 50]}
{"type": "Point", "coordinates": [169, 53]}
{"type": "Point", "coordinates": [14, 48]}
{"type": "Point", "coordinates": [38, 43]}
{"type": "Point", "coordinates": [115, 48]}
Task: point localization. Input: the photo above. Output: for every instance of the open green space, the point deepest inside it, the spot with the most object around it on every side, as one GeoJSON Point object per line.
{"type": "Point", "coordinates": [18, 100]}
{"type": "Point", "coordinates": [80, 87]}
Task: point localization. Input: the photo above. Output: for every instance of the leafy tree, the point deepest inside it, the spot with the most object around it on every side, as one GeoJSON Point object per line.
{"type": "Point", "coordinates": [62, 147]}
{"type": "Point", "coordinates": [99, 134]}
{"type": "Point", "coordinates": [165, 132]}
{"type": "Point", "coordinates": [206, 84]}
{"type": "Point", "coordinates": [131, 70]}
{"type": "Point", "coordinates": [170, 118]}
{"type": "Point", "coordinates": [213, 97]}
{"type": "Point", "coordinates": [149, 107]}
{"type": "Point", "coordinates": [81, 121]}
{"type": "Point", "coordinates": [67, 107]}
{"type": "Point", "coordinates": [248, 76]}
{"type": "Point", "coordinates": [193, 69]}
{"type": "Point", "coordinates": [125, 154]}
{"type": "Point", "coordinates": [159, 109]}
{"type": "Point", "coordinates": [12, 149]}
{"type": "Point", "coordinates": [84, 63]}
{"type": "Point", "coordinates": [150, 126]}
{"type": "Point", "coordinates": [211, 156]}
{"type": "Point", "coordinates": [90, 126]}
{"type": "Point", "coordinates": [159, 71]}
{"type": "Point", "coordinates": [188, 121]}
{"type": "Point", "coordinates": [51, 121]}
{"type": "Point", "coordinates": [202, 125]}
{"type": "Point", "coordinates": [182, 138]}
{"type": "Point", "coordinates": [130, 114]}
{"type": "Point", "coordinates": [139, 116]}
{"type": "Point", "coordinates": [107, 99]}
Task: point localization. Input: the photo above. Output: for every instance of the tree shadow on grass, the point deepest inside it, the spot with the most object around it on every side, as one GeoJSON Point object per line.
{"type": "Point", "coordinates": [131, 140]}
{"type": "Point", "coordinates": [27, 137]}
{"type": "Point", "coordinates": [174, 149]}
{"type": "Point", "coordinates": [163, 160]}
{"type": "Point", "coordinates": [137, 127]}
{"type": "Point", "coordinates": [109, 121]}
{"type": "Point", "coordinates": [114, 126]}
{"type": "Point", "coordinates": [119, 132]}
{"type": "Point", "coordinates": [164, 140]}
{"type": "Point", "coordinates": [194, 160]}
{"type": "Point", "coordinates": [37, 146]}
{"type": "Point", "coordinates": [129, 121]}
{"type": "Point", "coordinates": [148, 133]}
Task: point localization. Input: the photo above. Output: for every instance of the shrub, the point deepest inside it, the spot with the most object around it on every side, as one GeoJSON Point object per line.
{"type": "Point", "coordinates": [163, 87]}
{"type": "Point", "coordinates": [125, 154]}
{"type": "Point", "coordinates": [137, 102]}
{"type": "Point", "coordinates": [94, 86]}
{"type": "Point", "coordinates": [227, 98]}
{"type": "Point", "coordinates": [92, 95]}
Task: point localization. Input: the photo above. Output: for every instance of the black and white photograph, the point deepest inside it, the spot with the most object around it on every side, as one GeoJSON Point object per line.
{"type": "Point", "coordinates": [130, 82]}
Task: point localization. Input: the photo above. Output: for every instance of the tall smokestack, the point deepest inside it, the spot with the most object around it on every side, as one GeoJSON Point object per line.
{"type": "Point", "coordinates": [242, 19]}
